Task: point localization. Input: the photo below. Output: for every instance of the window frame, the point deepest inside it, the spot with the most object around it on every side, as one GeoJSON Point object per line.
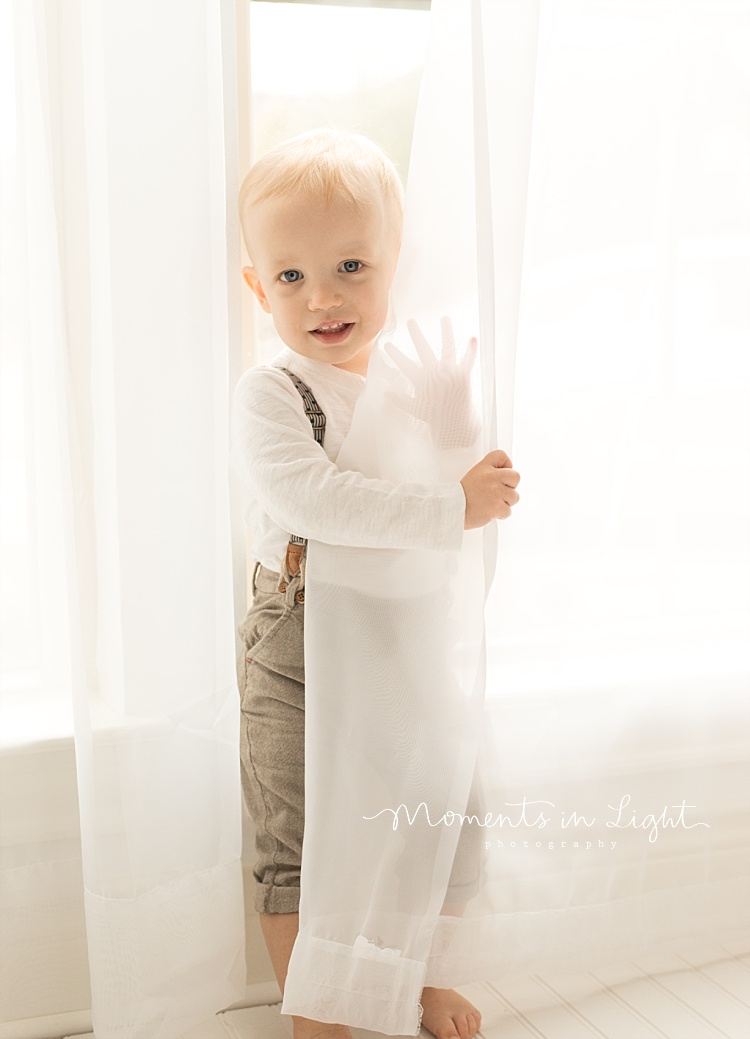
{"type": "Point", "coordinates": [423, 5]}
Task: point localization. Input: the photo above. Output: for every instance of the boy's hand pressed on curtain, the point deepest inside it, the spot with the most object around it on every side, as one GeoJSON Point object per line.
{"type": "Point", "coordinates": [440, 392]}
{"type": "Point", "coordinates": [441, 397]}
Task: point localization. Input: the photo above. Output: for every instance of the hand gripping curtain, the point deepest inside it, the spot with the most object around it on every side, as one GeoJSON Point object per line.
{"type": "Point", "coordinates": [121, 258]}
{"type": "Point", "coordinates": [586, 804]}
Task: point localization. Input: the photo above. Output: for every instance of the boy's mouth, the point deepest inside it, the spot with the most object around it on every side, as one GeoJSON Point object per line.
{"type": "Point", "coordinates": [332, 332]}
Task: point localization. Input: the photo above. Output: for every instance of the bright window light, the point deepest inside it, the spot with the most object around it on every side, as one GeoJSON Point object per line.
{"type": "Point", "coordinates": [354, 67]}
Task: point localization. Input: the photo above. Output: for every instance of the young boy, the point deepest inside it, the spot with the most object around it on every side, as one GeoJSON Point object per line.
{"type": "Point", "coordinates": [321, 216]}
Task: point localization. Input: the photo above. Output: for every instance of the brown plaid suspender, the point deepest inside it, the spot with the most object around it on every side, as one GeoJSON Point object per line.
{"type": "Point", "coordinates": [312, 408]}
{"type": "Point", "coordinates": [295, 550]}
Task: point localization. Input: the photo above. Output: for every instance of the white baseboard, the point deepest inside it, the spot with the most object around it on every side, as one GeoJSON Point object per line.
{"type": "Point", "coordinates": [52, 1026]}
{"type": "Point", "coordinates": [78, 1022]}
{"type": "Point", "coordinates": [261, 994]}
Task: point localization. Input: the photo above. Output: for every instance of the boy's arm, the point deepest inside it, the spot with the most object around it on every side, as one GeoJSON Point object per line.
{"type": "Point", "coordinates": [302, 490]}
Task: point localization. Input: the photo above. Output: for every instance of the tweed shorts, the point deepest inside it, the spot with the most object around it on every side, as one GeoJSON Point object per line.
{"type": "Point", "coordinates": [272, 737]}
{"type": "Point", "coordinates": [272, 750]}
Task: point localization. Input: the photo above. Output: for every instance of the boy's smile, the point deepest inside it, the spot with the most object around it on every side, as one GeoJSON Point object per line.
{"type": "Point", "coordinates": [333, 333]}
{"type": "Point", "coordinates": [324, 271]}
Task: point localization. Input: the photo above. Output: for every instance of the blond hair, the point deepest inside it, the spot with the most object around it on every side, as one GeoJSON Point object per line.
{"type": "Point", "coordinates": [326, 165]}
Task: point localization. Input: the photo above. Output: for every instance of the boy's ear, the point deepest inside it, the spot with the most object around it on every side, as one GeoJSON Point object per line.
{"type": "Point", "coordinates": [251, 277]}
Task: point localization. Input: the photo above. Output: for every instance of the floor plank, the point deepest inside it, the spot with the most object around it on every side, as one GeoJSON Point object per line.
{"type": "Point", "coordinates": [539, 1009]}
{"type": "Point", "coordinates": [258, 1023]}
{"type": "Point", "coordinates": [498, 1019]}
{"type": "Point", "coordinates": [707, 1000]}
{"type": "Point", "coordinates": [661, 1008]}
{"type": "Point", "coordinates": [732, 977]}
{"type": "Point", "coordinates": [739, 949]}
{"type": "Point", "coordinates": [600, 1008]}
{"type": "Point", "coordinates": [658, 998]}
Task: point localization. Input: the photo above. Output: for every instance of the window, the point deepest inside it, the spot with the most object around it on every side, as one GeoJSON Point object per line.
{"type": "Point", "coordinates": [352, 65]}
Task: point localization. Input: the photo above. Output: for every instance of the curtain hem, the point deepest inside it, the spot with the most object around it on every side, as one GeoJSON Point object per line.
{"type": "Point", "coordinates": [366, 986]}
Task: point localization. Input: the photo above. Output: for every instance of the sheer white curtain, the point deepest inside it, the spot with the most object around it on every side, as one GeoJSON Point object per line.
{"type": "Point", "coordinates": [618, 169]}
{"type": "Point", "coordinates": [595, 230]}
{"type": "Point", "coordinates": [116, 320]}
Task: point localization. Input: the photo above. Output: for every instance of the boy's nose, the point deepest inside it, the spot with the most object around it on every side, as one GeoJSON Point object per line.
{"type": "Point", "coordinates": [323, 296]}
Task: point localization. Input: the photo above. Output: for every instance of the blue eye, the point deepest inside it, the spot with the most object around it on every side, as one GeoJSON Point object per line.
{"type": "Point", "coordinates": [290, 276]}
{"type": "Point", "coordinates": [351, 266]}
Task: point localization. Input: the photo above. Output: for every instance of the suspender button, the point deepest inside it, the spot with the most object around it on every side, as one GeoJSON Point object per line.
{"type": "Point", "coordinates": [300, 596]}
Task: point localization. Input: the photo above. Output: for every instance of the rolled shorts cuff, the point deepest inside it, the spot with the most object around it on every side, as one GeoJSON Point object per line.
{"type": "Point", "coordinates": [270, 898]}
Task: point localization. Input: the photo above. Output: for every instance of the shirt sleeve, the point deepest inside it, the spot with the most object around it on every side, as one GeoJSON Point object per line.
{"type": "Point", "coordinates": [282, 467]}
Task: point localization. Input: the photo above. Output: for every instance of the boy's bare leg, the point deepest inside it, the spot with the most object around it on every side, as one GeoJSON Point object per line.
{"type": "Point", "coordinates": [447, 1014]}
{"type": "Point", "coordinates": [280, 931]}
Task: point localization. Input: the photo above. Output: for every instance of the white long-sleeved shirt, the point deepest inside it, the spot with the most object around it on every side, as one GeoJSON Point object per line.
{"type": "Point", "coordinates": [291, 484]}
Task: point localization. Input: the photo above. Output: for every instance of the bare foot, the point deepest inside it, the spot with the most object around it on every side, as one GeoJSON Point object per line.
{"type": "Point", "coordinates": [448, 1015]}
{"type": "Point", "coordinates": [305, 1028]}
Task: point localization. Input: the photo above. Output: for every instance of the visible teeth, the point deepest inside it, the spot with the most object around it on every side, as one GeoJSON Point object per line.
{"type": "Point", "coordinates": [331, 328]}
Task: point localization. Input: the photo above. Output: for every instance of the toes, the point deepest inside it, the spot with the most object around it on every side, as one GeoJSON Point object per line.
{"type": "Point", "coordinates": [469, 1026]}
{"type": "Point", "coordinates": [457, 1029]}
{"type": "Point", "coordinates": [452, 1030]}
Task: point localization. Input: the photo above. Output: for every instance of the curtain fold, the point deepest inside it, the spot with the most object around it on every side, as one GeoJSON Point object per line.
{"type": "Point", "coordinates": [584, 801]}
{"type": "Point", "coordinates": [123, 242]}
{"type": "Point", "coordinates": [394, 652]}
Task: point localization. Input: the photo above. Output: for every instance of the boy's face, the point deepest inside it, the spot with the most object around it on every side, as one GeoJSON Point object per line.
{"type": "Point", "coordinates": [324, 273]}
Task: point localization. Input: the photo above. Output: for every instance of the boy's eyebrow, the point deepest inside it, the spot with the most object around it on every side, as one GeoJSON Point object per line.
{"type": "Point", "coordinates": [349, 250]}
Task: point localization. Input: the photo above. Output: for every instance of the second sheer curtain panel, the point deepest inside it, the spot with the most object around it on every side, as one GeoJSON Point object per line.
{"type": "Point", "coordinates": [573, 210]}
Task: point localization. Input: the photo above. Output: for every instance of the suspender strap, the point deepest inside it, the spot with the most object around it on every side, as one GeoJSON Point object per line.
{"type": "Point", "coordinates": [295, 552]}
{"type": "Point", "coordinates": [312, 408]}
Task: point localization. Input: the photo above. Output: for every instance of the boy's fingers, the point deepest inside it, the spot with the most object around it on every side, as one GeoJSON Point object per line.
{"type": "Point", "coordinates": [448, 350]}
{"type": "Point", "coordinates": [423, 348]}
{"type": "Point", "coordinates": [499, 459]}
{"type": "Point", "coordinates": [510, 477]}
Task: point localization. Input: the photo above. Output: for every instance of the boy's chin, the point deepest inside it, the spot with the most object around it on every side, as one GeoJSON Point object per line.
{"type": "Point", "coordinates": [357, 362]}
{"type": "Point", "coordinates": [342, 355]}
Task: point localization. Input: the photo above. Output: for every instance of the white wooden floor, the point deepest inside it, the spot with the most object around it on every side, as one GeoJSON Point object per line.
{"type": "Point", "coordinates": [684, 997]}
